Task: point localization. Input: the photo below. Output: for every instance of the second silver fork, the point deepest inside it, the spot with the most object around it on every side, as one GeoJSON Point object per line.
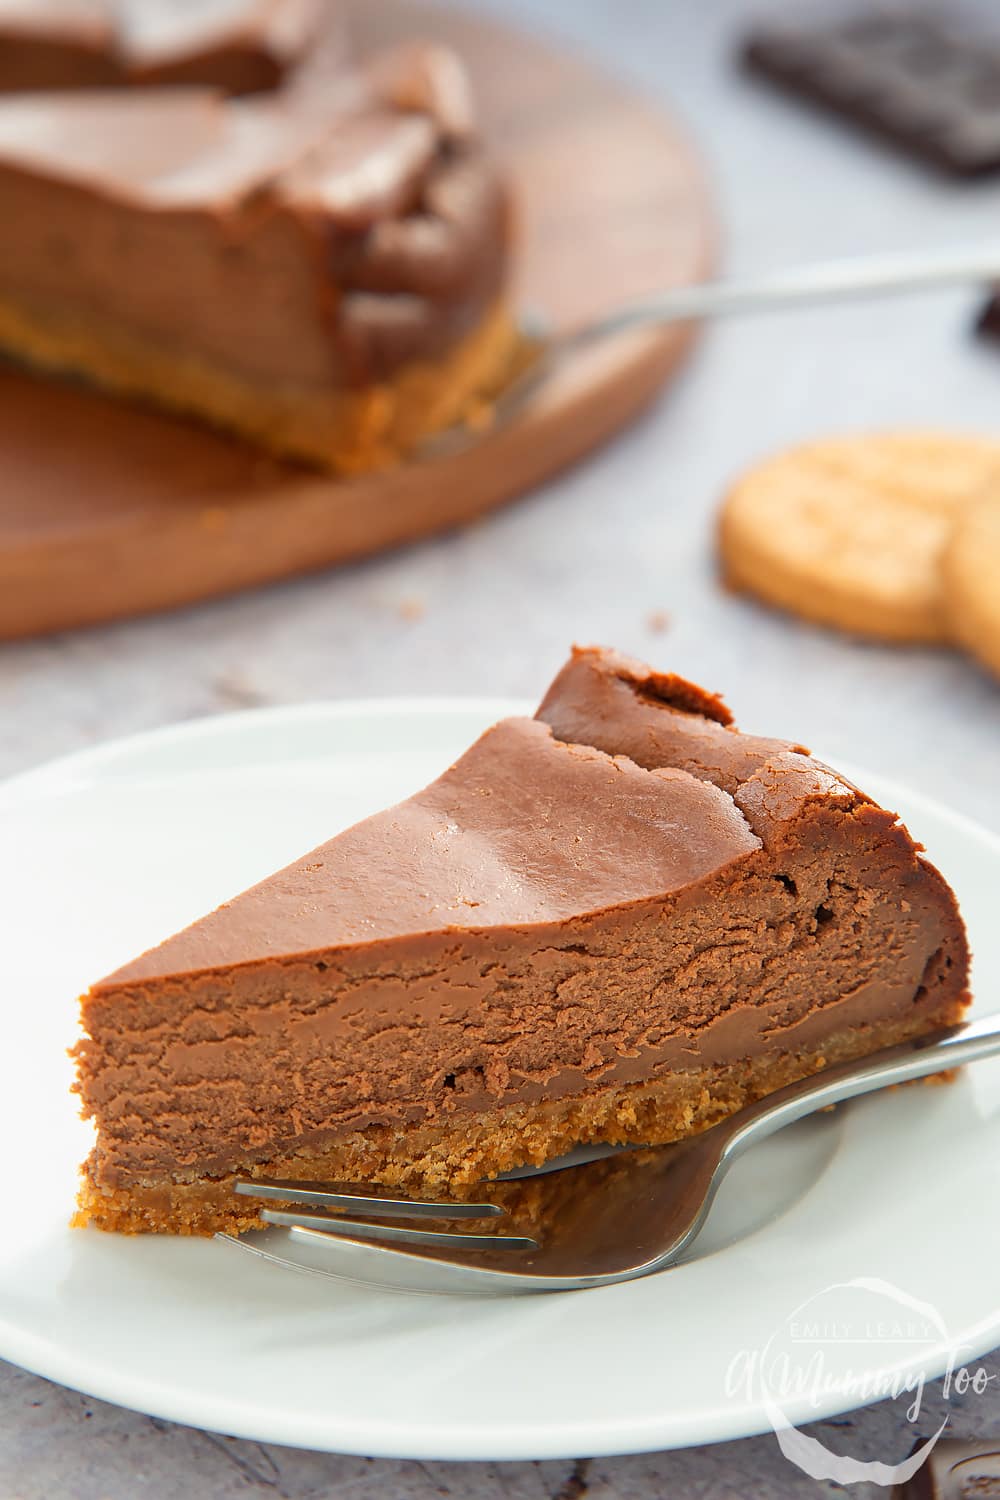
{"type": "Point", "coordinates": [544, 351]}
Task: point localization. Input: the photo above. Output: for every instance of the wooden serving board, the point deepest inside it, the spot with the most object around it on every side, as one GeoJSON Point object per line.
{"type": "Point", "coordinates": [108, 510]}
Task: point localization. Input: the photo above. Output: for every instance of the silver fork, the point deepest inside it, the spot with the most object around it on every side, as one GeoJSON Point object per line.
{"type": "Point", "coordinates": [875, 275]}
{"type": "Point", "coordinates": [614, 1219]}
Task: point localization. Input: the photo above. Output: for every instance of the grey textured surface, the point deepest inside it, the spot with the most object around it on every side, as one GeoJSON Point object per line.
{"type": "Point", "coordinates": [58, 1445]}
{"type": "Point", "coordinates": [595, 556]}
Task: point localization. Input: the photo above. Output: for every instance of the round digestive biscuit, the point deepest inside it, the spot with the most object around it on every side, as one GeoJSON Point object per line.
{"type": "Point", "coordinates": [971, 574]}
{"type": "Point", "coordinates": [849, 532]}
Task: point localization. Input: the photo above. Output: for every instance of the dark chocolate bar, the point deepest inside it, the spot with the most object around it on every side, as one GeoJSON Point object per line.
{"type": "Point", "coordinates": [956, 1470]}
{"type": "Point", "coordinates": [922, 84]}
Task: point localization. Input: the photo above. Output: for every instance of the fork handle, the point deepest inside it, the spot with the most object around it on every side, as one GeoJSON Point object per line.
{"type": "Point", "coordinates": [920, 1058]}
{"type": "Point", "coordinates": [828, 281]}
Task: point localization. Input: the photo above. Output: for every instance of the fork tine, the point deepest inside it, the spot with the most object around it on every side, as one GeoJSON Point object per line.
{"type": "Point", "coordinates": [362, 1203]}
{"type": "Point", "coordinates": [393, 1234]}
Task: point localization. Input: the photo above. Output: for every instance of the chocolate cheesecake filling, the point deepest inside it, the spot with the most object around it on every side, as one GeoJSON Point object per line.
{"type": "Point", "coordinates": [619, 893]}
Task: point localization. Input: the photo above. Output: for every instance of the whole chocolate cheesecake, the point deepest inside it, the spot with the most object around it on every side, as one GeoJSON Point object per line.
{"type": "Point", "coordinates": [321, 271]}
{"type": "Point", "coordinates": [240, 46]}
{"type": "Point", "coordinates": [618, 921]}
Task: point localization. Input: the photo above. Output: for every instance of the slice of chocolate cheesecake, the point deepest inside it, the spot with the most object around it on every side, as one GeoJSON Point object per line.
{"type": "Point", "coordinates": [619, 921]}
{"type": "Point", "coordinates": [240, 46]}
{"type": "Point", "coordinates": [321, 272]}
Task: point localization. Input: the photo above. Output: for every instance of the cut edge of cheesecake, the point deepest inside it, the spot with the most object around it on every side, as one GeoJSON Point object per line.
{"type": "Point", "coordinates": [620, 921]}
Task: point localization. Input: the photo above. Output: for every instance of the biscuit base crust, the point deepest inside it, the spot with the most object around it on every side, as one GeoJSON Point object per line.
{"type": "Point", "coordinates": [454, 1157]}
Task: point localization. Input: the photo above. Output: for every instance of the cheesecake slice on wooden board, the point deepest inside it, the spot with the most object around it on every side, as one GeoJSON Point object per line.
{"type": "Point", "coordinates": [321, 271]}
{"type": "Point", "coordinates": [618, 921]}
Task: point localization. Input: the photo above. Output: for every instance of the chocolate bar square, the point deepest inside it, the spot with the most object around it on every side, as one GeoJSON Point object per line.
{"type": "Point", "coordinates": [920, 83]}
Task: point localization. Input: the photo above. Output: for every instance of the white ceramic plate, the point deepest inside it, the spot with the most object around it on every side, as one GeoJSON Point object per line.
{"type": "Point", "coordinates": [105, 853]}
